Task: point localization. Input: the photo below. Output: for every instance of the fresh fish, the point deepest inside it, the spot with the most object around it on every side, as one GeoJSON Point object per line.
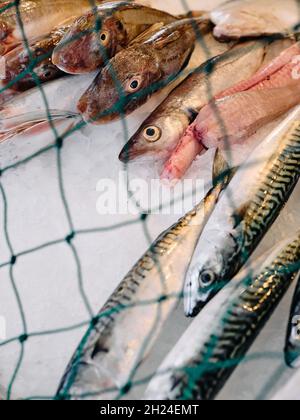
{"type": "Point", "coordinates": [292, 348]}
{"type": "Point", "coordinates": [151, 62]}
{"type": "Point", "coordinates": [218, 340]}
{"type": "Point", "coordinates": [238, 112]}
{"type": "Point", "coordinates": [252, 18]}
{"type": "Point", "coordinates": [19, 63]}
{"type": "Point", "coordinates": [28, 109]}
{"type": "Point", "coordinates": [248, 208]}
{"type": "Point", "coordinates": [99, 34]}
{"type": "Point", "coordinates": [160, 133]}
{"type": "Point", "coordinates": [38, 17]}
{"type": "Point", "coordinates": [131, 320]}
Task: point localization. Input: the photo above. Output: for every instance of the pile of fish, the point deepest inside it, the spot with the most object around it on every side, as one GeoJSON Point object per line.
{"type": "Point", "coordinates": [248, 77]}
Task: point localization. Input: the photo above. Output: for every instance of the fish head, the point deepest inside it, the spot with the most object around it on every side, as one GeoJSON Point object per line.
{"type": "Point", "coordinates": [205, 276]}
{"type": "Point", "coordinates": [89, 43]}
{"type": "Point", "coordinates": [292, 351]}
{"type": "Point", "coordinates": [157, 137]}
{"type": "Point", "coordinates": [121, 86]}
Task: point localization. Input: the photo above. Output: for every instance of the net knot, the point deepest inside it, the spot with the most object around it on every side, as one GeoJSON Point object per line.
{"type": "Point", "coordinates": [94, 321]}
{"type": "Point", "coordinates": [70, 237]}
{"type": "Point", "coordinates": [126, 388]}
{"type": "Point", "coordinates": [13, 260]}
{"type": "Point", "coordinates": [59, 142]}
{"type": "Point", "coordinates": [23, 338]}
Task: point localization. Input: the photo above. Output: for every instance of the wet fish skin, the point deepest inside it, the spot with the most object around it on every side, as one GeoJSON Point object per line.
{"type": "Point", "coordinates": [248, 208]}
{"type": "Point", "coordinates": [170, 120]}
{"type": "Point", "coordinates": [238, 112]}
{"type": "Point", "coordinates": [18, 61]}
{"type": "Point", "coordinates": [292, 347]}
{"type": "Point", "coordinates": [253, 18]}
{"type": "Point", "coordinates": [136, 72]}
{"type": "Point", "coordinates": [112, 348]}
{"type": "Point", "coordinates": [223, 334]}
{"type": "Point", "coordinates": [263, 107]}
{"type": "Point", "coordinates": [48, 14]}
{"type": "Point", "coordinates": [83, 49]}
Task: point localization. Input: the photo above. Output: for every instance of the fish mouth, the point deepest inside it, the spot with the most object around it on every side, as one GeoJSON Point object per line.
{"type": "Point", "coordinates": [192, 312]}
{"type": "Point", "coordinates": [130, 153]}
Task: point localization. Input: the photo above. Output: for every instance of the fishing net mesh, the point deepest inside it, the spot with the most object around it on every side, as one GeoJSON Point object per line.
{"type": "Point", "coordinates": [15, 257]}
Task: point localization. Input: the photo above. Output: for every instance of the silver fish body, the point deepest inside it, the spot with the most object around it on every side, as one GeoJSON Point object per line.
{"type": "Point", "coordinates": [222, 335]}
{"type": "Point", "coordinates": [292, 348]}
{"type": "Point", "coordinates": [160, 133]}
{"type": "Point", "coordinates": [130, 321]}
{"type": "Point", "coordinates": [250, 205]}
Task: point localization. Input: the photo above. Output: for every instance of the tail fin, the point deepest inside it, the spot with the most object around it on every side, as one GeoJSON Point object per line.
{"type": "Point", "coordinates": [11, 126]}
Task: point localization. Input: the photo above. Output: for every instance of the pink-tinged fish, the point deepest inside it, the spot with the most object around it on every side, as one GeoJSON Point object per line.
{"type": "Point", "coordinates": [150, 63]}
{"type": "Point", "coordinates": [38, 17]}
{"type": "Point", "coordinates": [239, 112]}
{"type": "Point", "coordinates": [159, 135]}
{"type": "Point", "coordinates": [99, 34]}
{"type": "Point", "coordinates": [25, 68]}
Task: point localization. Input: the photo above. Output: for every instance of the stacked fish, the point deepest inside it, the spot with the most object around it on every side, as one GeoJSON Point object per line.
{"type": "Point", "coordinates": [249, 77]}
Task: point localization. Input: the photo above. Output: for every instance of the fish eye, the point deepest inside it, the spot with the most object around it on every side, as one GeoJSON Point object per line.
{"type": "Point", "coordinates": [133, 85]}
{"type": "Point", "coordinates": [206, 278]}
{"type": "Point", "coordinates": [104, 38]}
{"type": "Point", "coordinates": [152, 134]}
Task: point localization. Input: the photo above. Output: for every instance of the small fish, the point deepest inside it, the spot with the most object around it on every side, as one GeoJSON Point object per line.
{"type": "Point", "coordinates": [99, 34]}
{"type": "Point", "coordinates": [19, 62]}
{"type": "Point", "coordinates": [243, 216]}
{"type": "Point", "coordinates": [131, 320]}
{"type": "Point", "coordinates": [151, 62]}
{"type": "Point", "coordinates": [38, 17]}
{"type": "Point", "coordinates": [292, 348]}
{"type": "Point", "coordinates": [160, 133]}
{"type": "Point", "coordinates": [238, 112]}
{"type": "Point", "coordinates": [253, 18]}
{"type": "Point", "coordinates": [219, 338]}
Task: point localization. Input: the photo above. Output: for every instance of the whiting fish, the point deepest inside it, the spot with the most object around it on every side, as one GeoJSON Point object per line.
{"type": "Point", "coordinates": [131, 320]}
{"type": "Point", "coordinates": [38, 18]}
{"type": "Point", "coordinates": [243, 216]}
{"type": "Point", "coordinates": [160, 133]}
{"type": "Point", "coordinates": [239, 112]}
{"type": "Point", "coordinates": [21, 62]}
{"type": "Point", "coordinates": [151, 62]}
{"type": "Point", "coordinates": [219, 338]}
{"type": "Point", "coordinates": [101, 33]}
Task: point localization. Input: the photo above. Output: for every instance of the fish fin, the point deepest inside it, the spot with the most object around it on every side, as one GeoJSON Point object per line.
{"type": "Point", "coordinates": [222, 172]}
{"type": "Point", "coordinates": [239, 214]}
{"type": "Point", "coordinates": [161, 42]}
{"type": "Point", "coordinates": [144, 36]}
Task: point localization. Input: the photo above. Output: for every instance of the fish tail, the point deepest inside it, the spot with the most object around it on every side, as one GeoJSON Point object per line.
{"type": "Point", "coordinates": [11, 126]}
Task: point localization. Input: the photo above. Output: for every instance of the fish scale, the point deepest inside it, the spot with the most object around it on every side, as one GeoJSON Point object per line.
{"type": "Point", "coordinates": [262, 211]}
{"type": "Point", "coordinates": [130, 321]}
{"type": "Point", "coordinates": [244, 215]}
{"type": "Point", "coordinates": [236, 325]}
